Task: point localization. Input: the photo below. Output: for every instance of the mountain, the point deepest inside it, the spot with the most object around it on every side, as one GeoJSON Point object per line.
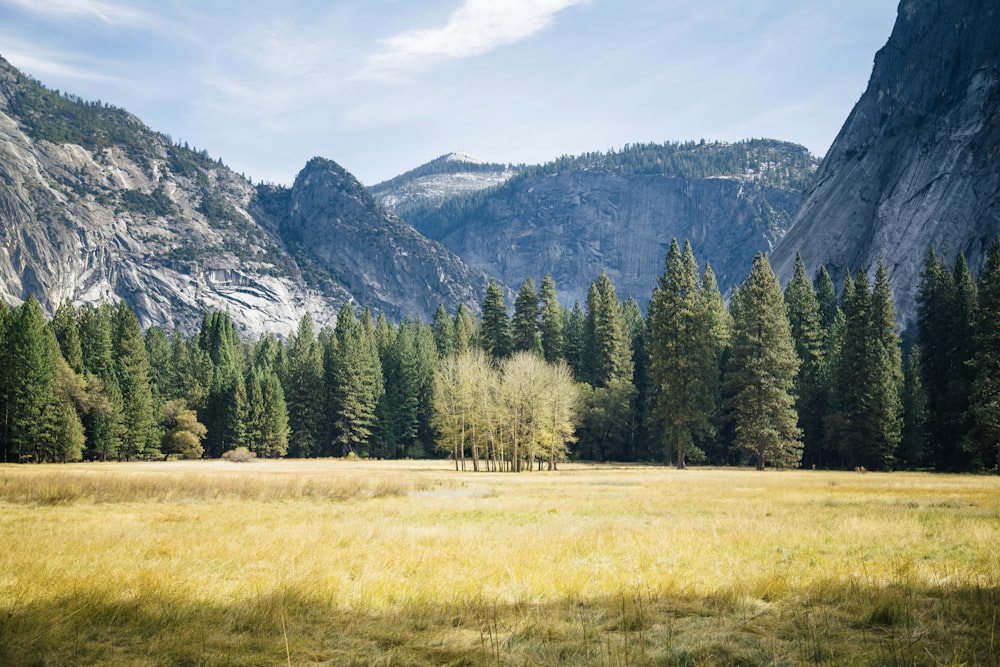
{"type": "Point", "coordinates": [427, 187]}
{"type": "Point", "coordinates": [918, 160]}
{"type": "Point", "coordinates": [619, 210]}
{"type": "Point", "coordinates": [96, 206]}
{"type": "Point", "coordinates": [329, 217]}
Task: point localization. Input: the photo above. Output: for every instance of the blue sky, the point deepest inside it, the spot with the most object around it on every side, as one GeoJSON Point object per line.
{"type": "Point", "coordinates": [382, 86]}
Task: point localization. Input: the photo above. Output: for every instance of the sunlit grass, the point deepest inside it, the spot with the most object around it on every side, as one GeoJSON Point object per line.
{"type": "Point", "coordinates": [412, 563]}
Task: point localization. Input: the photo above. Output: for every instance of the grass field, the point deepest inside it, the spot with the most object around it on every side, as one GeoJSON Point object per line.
{"type": "Point", "coordinates": [412, 563]}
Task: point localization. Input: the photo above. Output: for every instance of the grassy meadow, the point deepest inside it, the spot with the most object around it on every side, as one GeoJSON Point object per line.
{"type": "Point", "coordinates": [412, 563]}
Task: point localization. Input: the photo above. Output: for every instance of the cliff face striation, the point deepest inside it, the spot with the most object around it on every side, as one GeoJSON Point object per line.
{"type": "Point", "coordinates": [96, 206]}
{"type": "Point", "coordinates": [918, 160]}
{"type": "Point", "coordinates": [619, 211]}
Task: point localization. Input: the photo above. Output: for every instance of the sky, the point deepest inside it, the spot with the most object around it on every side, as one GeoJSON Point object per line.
{"type": "Point", "coordinates": [383, 86]}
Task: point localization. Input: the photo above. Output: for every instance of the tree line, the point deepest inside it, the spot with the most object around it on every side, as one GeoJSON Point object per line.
{"type": "Point", "coordinates": [806, 376]}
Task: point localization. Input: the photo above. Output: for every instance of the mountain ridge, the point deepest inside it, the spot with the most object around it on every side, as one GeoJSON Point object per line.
{"type": "Point", "coordinates": [618, 210]}
{"type": "Point", "coordinates": [95, 205]}
{"type": "Point", "coordinates": [916, 162]}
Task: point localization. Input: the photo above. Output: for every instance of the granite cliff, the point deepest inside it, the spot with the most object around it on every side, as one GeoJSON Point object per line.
{"type": "Point", "coordinates": [918, 160]}
{"type": "Point", "coordinates": [96, 206]}
{"type": "Point", "coordinates": [618, 211]}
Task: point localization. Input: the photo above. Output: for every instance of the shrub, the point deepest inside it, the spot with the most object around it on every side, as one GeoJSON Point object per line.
{"type": "Point", "coordinates": [239, 455]}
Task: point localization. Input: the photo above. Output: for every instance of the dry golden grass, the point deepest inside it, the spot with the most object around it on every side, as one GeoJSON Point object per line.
{"type": "Point", "coordinates": [412, 563]}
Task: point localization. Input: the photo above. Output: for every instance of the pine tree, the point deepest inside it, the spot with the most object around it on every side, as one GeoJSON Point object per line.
{"type": "Point", "coordinates": [225, 410]}
{"type": "Point", "coordinates": [139, 436]}
{"type": "Point", "coordinates": [6, 368]}
{"type": "Point", "coordinates": [913, 437]}
{"type": "Point", "coordinates": [683, 357]}
{"type": "Point", "coordinates": [810, 346]}
{"type": "Point", "coordinates": [606, 353]}
{"type": "Point", "coordinates": [33, 407]}
{"type": "Point", "coordinates": [158, 351]}
{"type": "Point", "coordinates": [525, 336]}
{"type": "Point", "coordinates": [721, 328]}
{"type": "Point", "coordinates": [940, 361]}
{"type": "Point", "coordinates": [826, 300]}
{"type": "Point", "coordinates": [494, 327]}
{"type": "Point", "coordinates": [357, 383]}
{"type": "Point", "coordinates": [607, 365]}
{"type": "Point", "coordinates": [444, 332]}
{"type": "Point", "coordinates": [404, 392]}
{"type": "Point", "coordinates": [551, 321]}
{"type": "Point", "coordinates": [383, 442]}
{"type": "Point", "coordinates": [982, 443]}
{"type": "Point", "coordinates": [573, 340]}
{"type": "Point", "coordinates": [465, 329]}
{"type": "Point", "coordinates": [103, 423]}
{"type": "Point", "coordinates": [266, 414]}
{"type": "Point", "coordinates": [637, 447]}
{"type": "Point", "coordinates": [845, 432]}
{"type": "Point", "coordinates": [886, 372]}
{"type": "Point", "coordinates": [963, 349]}
{"type": "Point", "coordinates": [305, 391]}
{"type": "Point", "coordinates": [64, 326]}
{"type": "Point", "coordinates": [761, 373]}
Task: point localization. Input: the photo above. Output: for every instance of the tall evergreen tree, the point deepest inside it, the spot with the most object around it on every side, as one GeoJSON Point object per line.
{"type": "Point", "coordinates": [913, 437]}
{"type": "Point", "coordinates": [140, 437]}
{"type": "Point", "coordinates": [160, 378]}
{"type": "Point", "coordinates": [409, 389]}
{"type": "Point", "coordinates": [761, 373]}
{"type": "Point", "coordinates": [357, 384]}
{"type": "Point", "coordinates": [465, 329]}
{"type": "Point", "coordinates": [494, 326]}
{"type": "Point", "coordinates": [525, 334]}
{"type": "Point", "coordinates": [605, 432]}
{"type": "Point", "coordinates": [305, 391]}
{"type": "Point", "coordinates": [886, 372]}
{"type": "Point", "coordinates": [810, 346]}
{"type": "Point", "coordinates": [941, 363]}
{"type": "Point", "coordinates": [6, 368]}
{"type": "Point", "coordinates": [65, 327]}
{"type": "Point", "coordinates": [103, 423]}
{"type": "Point", "coordinates": [638, 445]}
{"type": "Point", "coordinates": [982, 442]}
{"type": "Point", "coordinates": [225, 410]}
{"type": "Point", "coordinates": [826, 299]}
{"type": "Point", "coordinates": [606, 353]}
{"type": "Point", "coordinates": [683, 357]}
{"type": "Point", "coordinates": [266, 430]}
{"type": "Point", "coordinates": [573, 340]}
{"type": "Point", "coordinates": [32, 412]}
{"type": "Point", "coordinates": [444, 332]}
{"type": "Point", "coordinates": [721, 327]}
{"type": "Point", "coordinates": [551, 324]}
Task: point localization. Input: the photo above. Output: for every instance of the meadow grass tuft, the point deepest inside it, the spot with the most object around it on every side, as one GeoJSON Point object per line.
{"type": "Point", "coordinates": [411, 563]}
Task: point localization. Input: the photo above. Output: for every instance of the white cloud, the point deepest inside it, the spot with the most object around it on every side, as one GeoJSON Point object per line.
{"type": "Point", "coordinates": [475, 28]}
{"type": "Point", "coordinates": [47, 65]}
{"type": "Point", "coordinates": [107, 12]}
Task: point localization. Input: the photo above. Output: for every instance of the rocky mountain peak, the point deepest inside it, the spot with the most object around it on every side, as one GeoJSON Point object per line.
{"type": "Point", "coordinates": [918, 160]}
{"type": "Point", "coordinates": [96, 206]}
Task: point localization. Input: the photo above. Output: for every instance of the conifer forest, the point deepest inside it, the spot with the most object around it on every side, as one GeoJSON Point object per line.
{"type": "Point", "coordinates": [815, 375]}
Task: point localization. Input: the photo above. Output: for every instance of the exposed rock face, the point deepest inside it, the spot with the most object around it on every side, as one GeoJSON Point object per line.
{"type": "Point", "coordinates": [94, 205]}
{"type": "Point", "coordinates": [376, 256]}
{"type": "Point", "coordinates": [430, 185]}
{"type": "Point", "coordinates": [618, 213]}
{"type": "Point", "coordinates": [918, 160]}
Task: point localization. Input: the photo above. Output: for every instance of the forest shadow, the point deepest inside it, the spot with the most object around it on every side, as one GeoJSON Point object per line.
{"type": "Point", "coordinates": [829, 624]}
